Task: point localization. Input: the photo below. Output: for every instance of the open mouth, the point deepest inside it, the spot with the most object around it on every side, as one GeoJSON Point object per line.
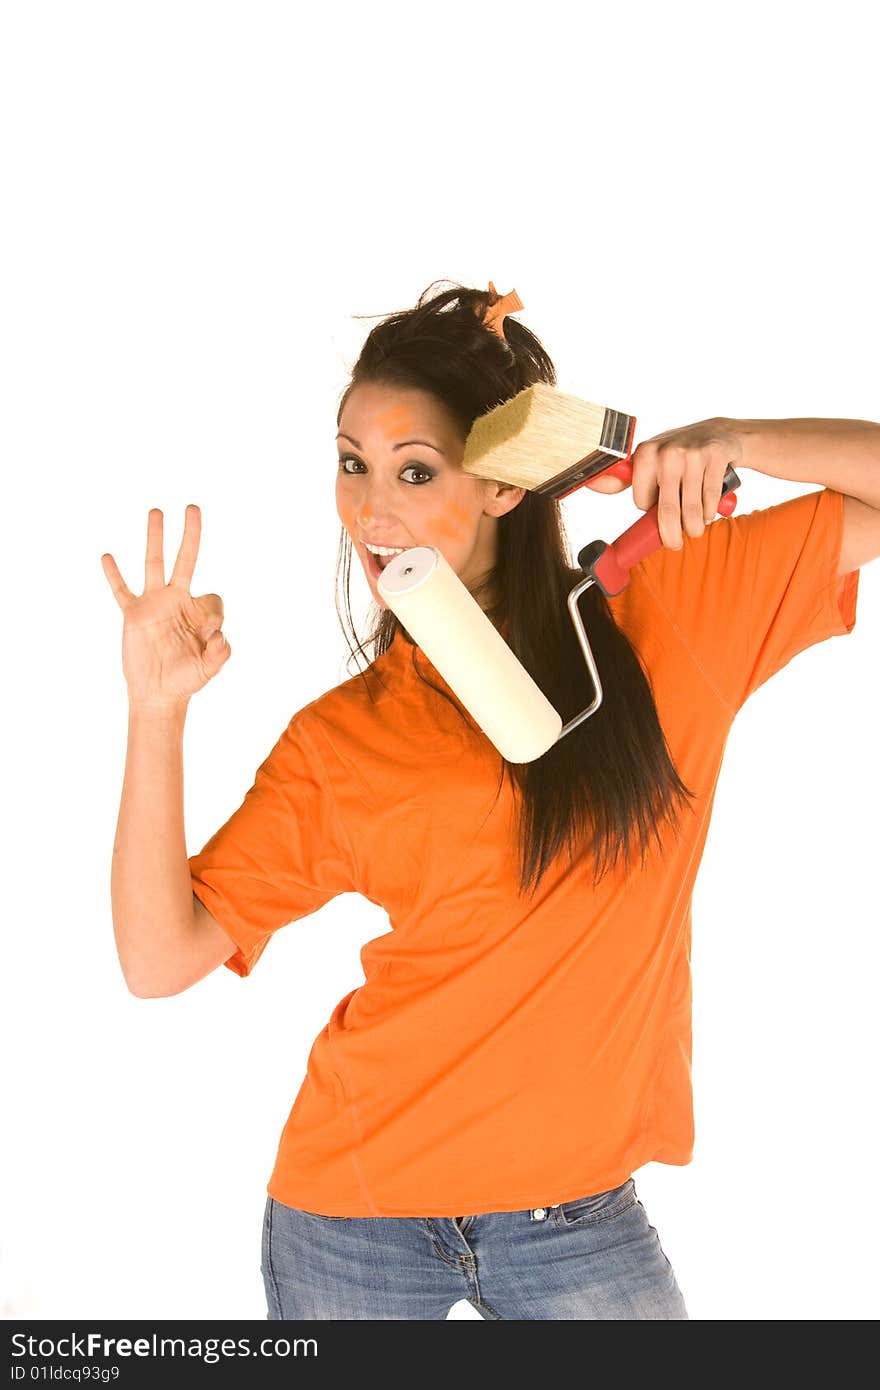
{"type": "Point", "coordinates": [377, 563]}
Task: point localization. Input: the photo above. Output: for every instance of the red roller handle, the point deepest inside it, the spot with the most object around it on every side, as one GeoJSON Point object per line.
{"type": "Point", "coordinates": [610, 564]}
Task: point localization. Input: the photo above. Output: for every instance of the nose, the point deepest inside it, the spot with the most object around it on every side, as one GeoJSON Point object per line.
{"type": "Point", "coordinates": [374, 511]}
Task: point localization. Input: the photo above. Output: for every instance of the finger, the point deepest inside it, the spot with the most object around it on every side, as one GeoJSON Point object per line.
{"type": "Point", "coordinates": [713, 486]}
{"type": "Point", "coordinates": [645, 490]}
{"type": "Point", "coordinates": [692, 504]}
{"type": "Point", "coordinates": [189, 548]}
{"type": "Point", "coordinates": [669, 477]}
{"type": "Point", "coordinates": [211, 607]}
{"type": "Point", "coordinates": [121, 591]}
{"type": "Point", "coordinates": [154, 569]}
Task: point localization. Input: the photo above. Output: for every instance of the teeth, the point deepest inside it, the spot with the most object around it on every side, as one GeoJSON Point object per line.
{"type": "Point", "coordinates": [383, 550]}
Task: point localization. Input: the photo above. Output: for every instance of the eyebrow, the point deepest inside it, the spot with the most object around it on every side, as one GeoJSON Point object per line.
{"type": "Point", "coordinates": [357, 444]}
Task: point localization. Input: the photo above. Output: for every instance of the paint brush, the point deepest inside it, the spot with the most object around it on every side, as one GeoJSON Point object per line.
{"type": "Point", "coordinates": [552, 443]}
{"type": "Point", "coordinates": [549, 442]}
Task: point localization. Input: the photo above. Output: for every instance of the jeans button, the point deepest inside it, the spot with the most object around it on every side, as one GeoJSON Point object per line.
{"type": "Point", "coordinates": [539, 1213]}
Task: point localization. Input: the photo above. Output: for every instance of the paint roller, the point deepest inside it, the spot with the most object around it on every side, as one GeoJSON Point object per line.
{"type": "Point", "coordinates": [551, 443]}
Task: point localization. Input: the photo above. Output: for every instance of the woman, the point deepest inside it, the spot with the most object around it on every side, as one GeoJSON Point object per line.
{"type": "Point", "coordinates": [472, 1115]}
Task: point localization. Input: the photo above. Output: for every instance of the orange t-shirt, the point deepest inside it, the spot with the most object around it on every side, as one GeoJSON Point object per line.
{"type": "Point", "coordinates": [501, 1053]}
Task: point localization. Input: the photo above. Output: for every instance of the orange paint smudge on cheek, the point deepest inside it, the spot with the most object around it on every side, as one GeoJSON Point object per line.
{"type": "Point", "coordinates": [452, 524]}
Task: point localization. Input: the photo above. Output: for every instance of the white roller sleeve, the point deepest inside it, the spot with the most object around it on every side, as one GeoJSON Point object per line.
{"type": "Point", "coordinates": [422, 589]}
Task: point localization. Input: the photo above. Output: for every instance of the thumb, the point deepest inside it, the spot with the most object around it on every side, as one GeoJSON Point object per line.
{"type": "Point", "coordinates": [601, 483]}
{"type": "Point", "coordinates": [217, 651]}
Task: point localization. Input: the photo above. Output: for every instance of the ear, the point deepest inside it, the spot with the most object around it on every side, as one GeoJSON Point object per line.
{"type": "Point", "coordinates": [501, 498]}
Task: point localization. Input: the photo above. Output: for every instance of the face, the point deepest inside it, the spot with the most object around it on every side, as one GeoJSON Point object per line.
{"type": "Point", "coordinates": [394, 492]}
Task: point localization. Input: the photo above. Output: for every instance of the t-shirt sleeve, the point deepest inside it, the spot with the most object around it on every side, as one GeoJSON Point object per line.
{"type": "Point", "coordinates": [756, 589]}
{"type": "Point", "coordinates": [283, 854]}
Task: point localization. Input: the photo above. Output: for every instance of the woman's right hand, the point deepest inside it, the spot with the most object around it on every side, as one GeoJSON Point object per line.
{"type": "Point", "coordinates": [171, 642]}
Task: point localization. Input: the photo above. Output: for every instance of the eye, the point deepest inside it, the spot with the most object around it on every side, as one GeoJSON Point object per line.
{"type": "Point", "coordinates": [419, 468]}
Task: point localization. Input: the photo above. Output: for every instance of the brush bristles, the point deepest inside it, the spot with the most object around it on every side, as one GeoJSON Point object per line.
{"type": "Point", "coordinates": [537, 434]}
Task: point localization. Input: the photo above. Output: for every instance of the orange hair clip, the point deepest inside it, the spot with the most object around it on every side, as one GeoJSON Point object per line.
{"type": "Point", "coordinates": [498, 312]}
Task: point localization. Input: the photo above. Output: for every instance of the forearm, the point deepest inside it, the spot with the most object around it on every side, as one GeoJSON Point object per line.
{"type": "Point", "coordinates": [840, 454]}
{"type": "Point", "coordinates": [150, 886]}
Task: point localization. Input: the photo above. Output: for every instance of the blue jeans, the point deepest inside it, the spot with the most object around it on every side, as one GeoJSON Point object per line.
{"type": "Point", "coordinates": [594, 1257]}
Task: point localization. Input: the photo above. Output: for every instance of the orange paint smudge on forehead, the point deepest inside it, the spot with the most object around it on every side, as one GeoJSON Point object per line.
{"type": "Point", "coordinates": [395, 419]}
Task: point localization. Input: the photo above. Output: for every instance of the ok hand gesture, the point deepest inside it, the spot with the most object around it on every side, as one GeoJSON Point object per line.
{"type": "Point", "coordinates": [171, 642]}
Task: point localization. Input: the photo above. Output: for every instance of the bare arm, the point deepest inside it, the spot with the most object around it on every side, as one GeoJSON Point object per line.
{"type": "Point", "coordinates": [166, 939]}
{"type": "Point", "coordinates": [171, 647]}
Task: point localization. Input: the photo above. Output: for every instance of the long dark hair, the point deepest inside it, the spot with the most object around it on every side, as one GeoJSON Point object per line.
{"type": "Point", "coordinates": [613, 773]}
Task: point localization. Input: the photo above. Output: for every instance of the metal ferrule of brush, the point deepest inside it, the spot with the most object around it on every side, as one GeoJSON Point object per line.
{"type": "Point", "coordinates": [609, 567]}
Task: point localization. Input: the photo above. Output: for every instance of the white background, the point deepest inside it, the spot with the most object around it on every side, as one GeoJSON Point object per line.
{"type": "Point", "coordinates": [198, 199]}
